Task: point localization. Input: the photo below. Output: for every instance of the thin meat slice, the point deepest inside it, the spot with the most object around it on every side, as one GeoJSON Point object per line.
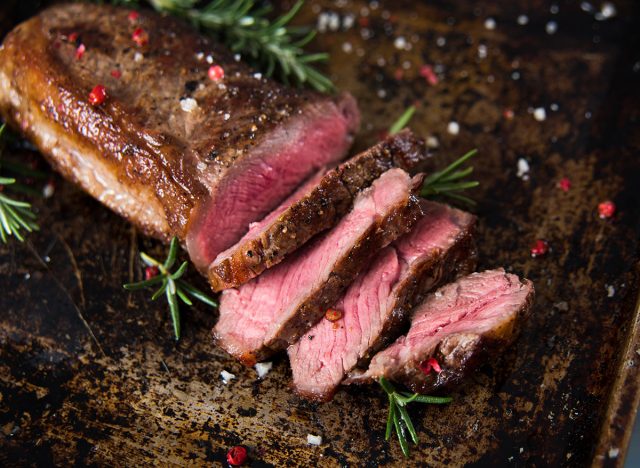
{"type": "Point", "coordinates": [457, 326]}
{"type": "Point", "coordinates": [172, 150]}
{"type": "Point", "coordinates": [317, 206]}
{"type": "Point", "coordinates": [439, 247]}
{"type": "Point", "coordinates": [276, 308]}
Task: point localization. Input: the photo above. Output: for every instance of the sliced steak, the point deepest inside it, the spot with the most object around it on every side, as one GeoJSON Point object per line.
{"type": "Point", "coordinates": [439, 247]}
{"type": "Point", "coordinates": [314, 208]}
{"type": "Point", "coordinates": [457, 325]}
{"type": "Point", "coordinates": [273, 310]}
{"type": "Point", "coordinates": [172, 150]}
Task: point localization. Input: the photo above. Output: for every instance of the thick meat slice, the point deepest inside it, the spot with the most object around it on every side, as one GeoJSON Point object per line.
{"type": "Point", "coordinates": [439, 247]}
{"type": "Point", "coordinates": [314, 208]}
{"type": "Point", "coordinates": [172, 150]}
{"type": "Point", "coordinates": [457, 325]}
{"type": "Point", "coordinates": [272, 311]}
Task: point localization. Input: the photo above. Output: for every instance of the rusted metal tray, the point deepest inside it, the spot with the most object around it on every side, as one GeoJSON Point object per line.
{"type": "Point", "coordinates": [90, 374]}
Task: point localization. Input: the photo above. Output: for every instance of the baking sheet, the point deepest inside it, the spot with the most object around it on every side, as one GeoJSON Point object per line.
{"type": "Point", "coordinates": [90, 374]}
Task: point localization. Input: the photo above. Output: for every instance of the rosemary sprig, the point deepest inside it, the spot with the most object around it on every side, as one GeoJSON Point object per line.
{"type": "Point", "coordinates": [275, 47]}
{"type": "Point", "coordinates": [448, 182]}
{"type": "Point", "coordinates": [398, 419]}
{"type": "Point", "coordinates": [171, 284]}
{"type": "Point", "coordinates": [15, 215]}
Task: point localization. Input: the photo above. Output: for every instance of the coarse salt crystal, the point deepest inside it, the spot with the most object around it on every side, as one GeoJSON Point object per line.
{"type": "Point", "coordinates": [48, 190]}
{"type": "Point", "coordinates": [523, 169]}
{"type": "Point", "coordinates": [347, 47]}
{"type": "Point", "coordinates": [263, 368]}
{"type": "Point", "coordinates": [334, 22]}
{"type": "Point", "coordinates": [614, 452]}
{"type": "Point", "coordinates": [554, 107]}
{"type": "Point", "coordinates": [400, 43]}
{"type": "Point", "coordinates": [237, 57]}
{"type": "Point", "coordinates": [432, 142]}
{"type": "Point", "coordinates": [540, 114]}
{"type": "Point", "coordinates": [554, 9]}
{"type": "Point", "coordinates": [523, 19]}
{"type": "Point", "coordinates": [227, 376]}
{"type": "Point", "coordinates": [209, 59]}
{"type": "Point", "coordinates": [611, 291]}
{"type": "Point", "coordinates": [199, 55]}
{"type": "Point", "coordinates": [441, 41]}
{"type": "Point", "coordinates": [347, 21]}
{"type": "Point", "coordinates": [482, 51]}
{"type": "Point", "coordinates": [188, 104]}
{"type": "Point", "coordinates": [586, 6]}
{"type": "Point", "coordinates": [226, 116]}
{"type": "Point", "coordinates": [551, 27]}
{"type": "Point", "coordinates": [314, 439]}
{"type": "Point", "coordinates": [438, 294]}
{"type": "Point", "coordinates": [453, 128]}
{"type": "Point", "coordinates": [490, 24]}
{"type": "Point", "coordinates": [137, 57]}
{"type": "Point", "coordinates": [257, 76]}
{"type": "Point", "coordinates": [608, 10]}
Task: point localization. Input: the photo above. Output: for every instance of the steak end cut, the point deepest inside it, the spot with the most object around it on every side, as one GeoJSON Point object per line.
{"type": "Point", "coordinates": [374, 308]}
{"type": "Point", "coordinates": [173, 151]}
{"type": "Point", "coordinates": [458, 325]}
{"type": "Point", "coordinates": [315, 207]}
{"type": "Point", "coordinates": [272, 311]}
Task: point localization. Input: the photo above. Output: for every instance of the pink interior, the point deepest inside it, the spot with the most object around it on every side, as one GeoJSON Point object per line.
{"type": "Point", "coordinates": [474, 304]}
{"type": "Point", "coordinates": [320, 364]}
{"type": "Point", "coordinates": [256, 229]}
{"type": "Point", "coordinates": [255, 185]}
{"type": "Point", "coordinates": [254, 313]}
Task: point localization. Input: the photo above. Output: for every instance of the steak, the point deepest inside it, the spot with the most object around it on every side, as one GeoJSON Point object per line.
{"type": "Point", "coordinates": [457, 325]}
{"type": "Point", "coordinates": [173, 151]}
{"type": "Point", "coordinates": [439, 247]}
{"type": "Point", "coordinates": [317, 206]}
{"type": "Point", "coordinates": [273, 310]}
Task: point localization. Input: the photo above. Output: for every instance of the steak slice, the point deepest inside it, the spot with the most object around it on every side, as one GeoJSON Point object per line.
{"type": "Point", "coordinates": [439, 247]}
{"type": "Point", "coordinates": [273, 310]}
{"type": "Point", "coordinates": [457, 325]}
{"type": "Point", "coordinates": [314, 208]}
{"type": "Point", "coordinates": [170, 149]}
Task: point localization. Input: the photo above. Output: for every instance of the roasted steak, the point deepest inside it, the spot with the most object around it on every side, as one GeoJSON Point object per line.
{"type": "Point", "coordinates": [171, 149]}
{"type": "Point", "coordinates": [315, 207]}
{"type": "Point", "coordinates": [273, 310]}
{"type": "Point", "coordinates": [457, 325]}
{"type": "Point", "coordinates": [439, 247]}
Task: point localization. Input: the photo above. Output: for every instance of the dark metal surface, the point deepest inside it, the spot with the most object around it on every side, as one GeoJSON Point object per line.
{"type": "Point", "coordinates": [90, 374]}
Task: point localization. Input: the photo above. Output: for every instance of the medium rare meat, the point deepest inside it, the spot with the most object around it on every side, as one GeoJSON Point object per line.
{"type": "Point", "coordinates": [172, 150]}
{"type": "Point", "coordinates": [439, 247]}
{"type": "Point", "coordinates": [273, 310]}
{"type": "Point", "coordinates": [457, 325]}
{"type": "Point", "coordinates": [317, 206]}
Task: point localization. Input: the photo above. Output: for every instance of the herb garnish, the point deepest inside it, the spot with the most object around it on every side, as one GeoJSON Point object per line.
{"type": "Point", "coordinates": [171, 284]}
{"type": "Point", "coordinates": [399, 419]}
{"type": "Point", "coordinates": [448, 182]}
{"type": "Point", "coordinates": [15, 215]}
{"type": "Point", "coordinates": [275, 47]}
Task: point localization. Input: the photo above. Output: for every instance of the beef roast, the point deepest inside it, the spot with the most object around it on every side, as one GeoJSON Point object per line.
{"type": "Point", "coordinates": [439, 247]}
{"type": "Point", "coordinates": [316, 207]}
{"type": "Point", "coordinates": [457, 325]}
{"type": "Point", "coordinates": [175, 152]}
{"type": "Point", "coordinates": [273, 310]}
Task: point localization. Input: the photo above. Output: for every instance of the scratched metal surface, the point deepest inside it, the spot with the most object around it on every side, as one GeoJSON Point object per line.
{"type": "Point", "coordinates": [90, 374]}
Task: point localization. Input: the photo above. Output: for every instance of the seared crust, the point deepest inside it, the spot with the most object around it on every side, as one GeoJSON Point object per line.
{"type": "Point", "coordinates": [320, 210]}
{"type": "Point", "coordinates": [459, 355]}
{"type": "Point", "coordinates": [160, 160]}
{"type": "Point", "coordinates": [313, 309]}
{"type": "Point", "coordinates": [442, 268]}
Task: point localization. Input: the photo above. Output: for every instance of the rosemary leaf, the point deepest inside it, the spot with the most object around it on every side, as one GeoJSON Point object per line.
{"type": "Point", "coordinates": [402, 121]}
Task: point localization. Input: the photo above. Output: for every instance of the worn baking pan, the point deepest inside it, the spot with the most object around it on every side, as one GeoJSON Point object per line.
{"type": "Point", "coordinates": [90, 374]}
